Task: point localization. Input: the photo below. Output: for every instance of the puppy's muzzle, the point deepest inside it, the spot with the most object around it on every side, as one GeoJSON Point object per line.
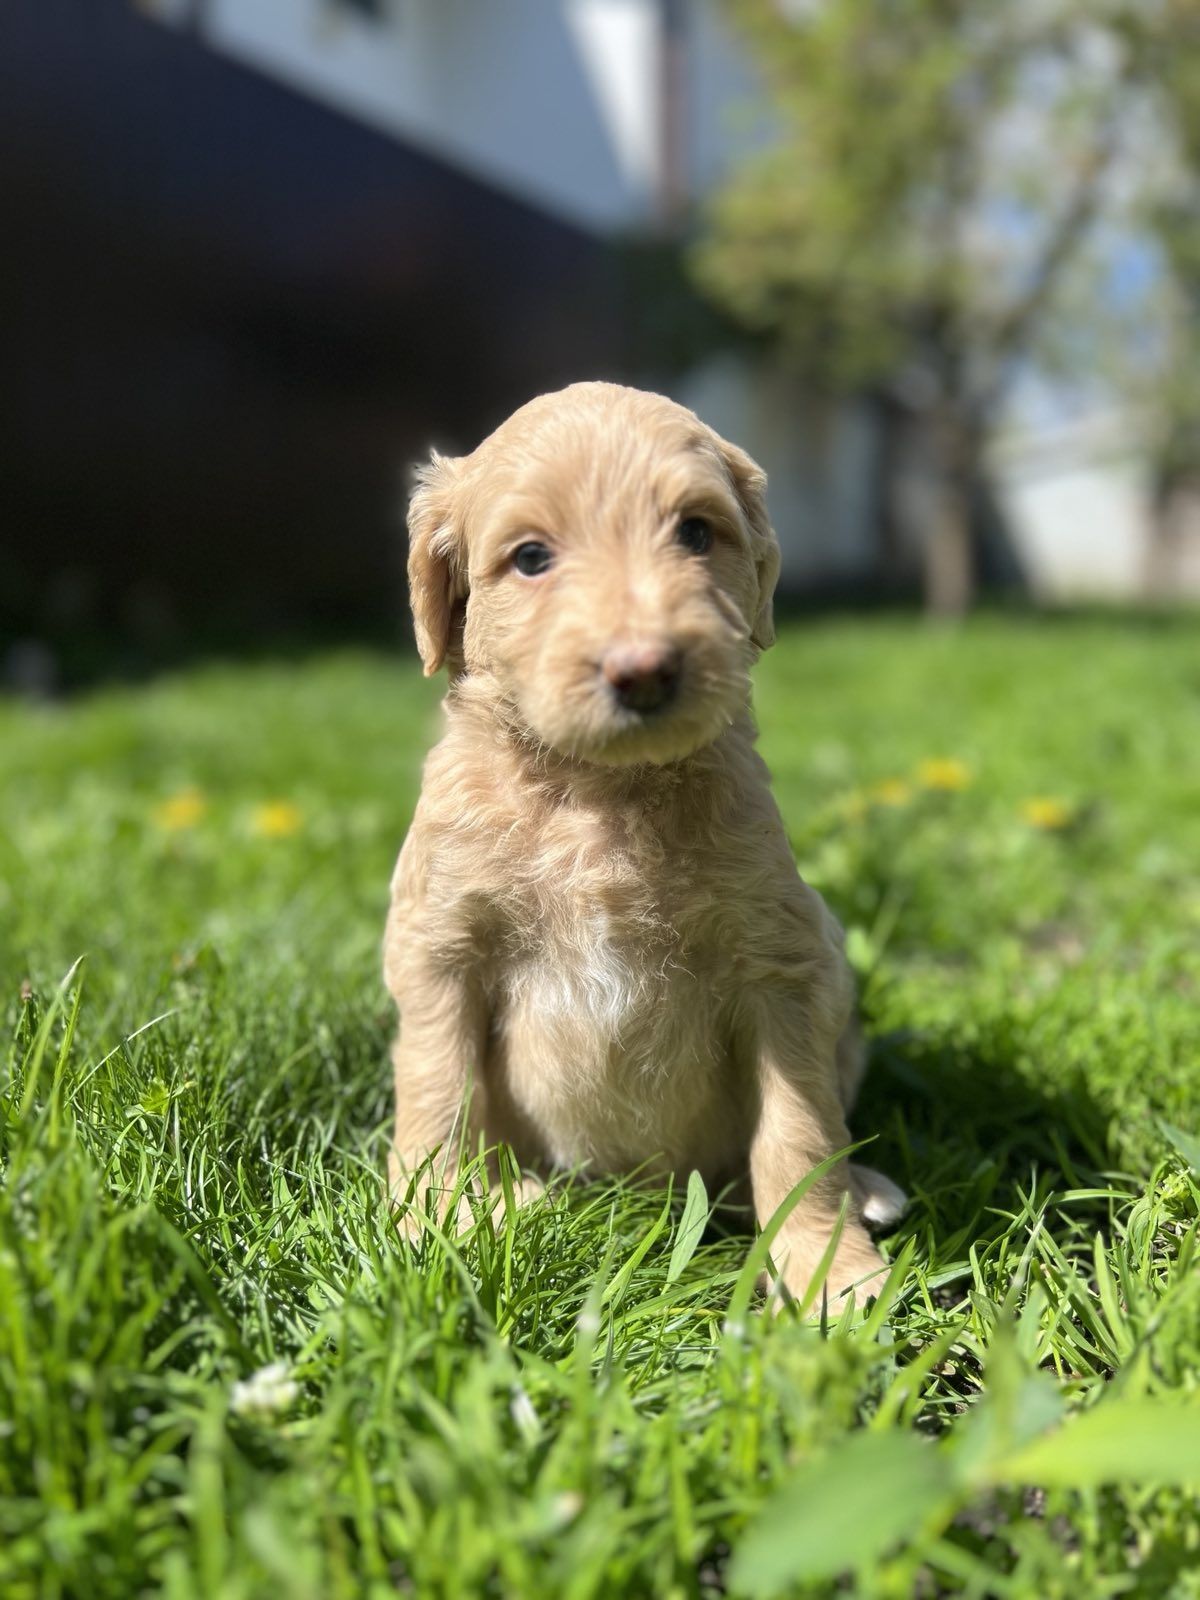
{"type": "Point", "coordinates": [643, 678]}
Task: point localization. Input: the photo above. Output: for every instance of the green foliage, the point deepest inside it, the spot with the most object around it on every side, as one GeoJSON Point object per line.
{"type": "Point", "coordinates": [584, 1400]}
{"type": "Point", "coordinates": [927, 207]}
{"type": "Point", "coordinates": [1171, 382]}
{"type": "Point", "coordinates": [882, 1489]}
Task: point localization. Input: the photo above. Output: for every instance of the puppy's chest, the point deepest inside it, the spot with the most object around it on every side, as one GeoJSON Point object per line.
{"type": "Point", "coordinates": [614, 957]}
{"type": "Point", "coordinates": [614, 980]}
{"type": "Point", "coordinates": [612, 1042]}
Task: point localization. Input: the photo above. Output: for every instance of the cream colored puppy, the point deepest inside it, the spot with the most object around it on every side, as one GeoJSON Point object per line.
{"type": "Point", "coordinates": [600, 947]}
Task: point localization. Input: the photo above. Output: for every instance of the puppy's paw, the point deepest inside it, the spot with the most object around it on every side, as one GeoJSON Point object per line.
{"type": "Point", "coordinates": [857, 1272]}
{"type": "Point", "coordinates": [454, 1218]}
{"type": "Point", "coordinates": [428, 1203]}
{"type": "Point", "coordinates": [426, 1214]}
{"type": "Point", "coordinates": [880, 1201]}
{"type": "Point", "coordinates": [526, 1188]}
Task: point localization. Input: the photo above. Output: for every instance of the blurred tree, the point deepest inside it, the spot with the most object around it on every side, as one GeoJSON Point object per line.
{"type": "Point", "coordinates": [922, 220]}
{"type": "Point", "coordinates": [1170, 59]}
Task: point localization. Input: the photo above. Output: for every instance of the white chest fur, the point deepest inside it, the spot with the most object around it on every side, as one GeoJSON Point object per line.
{"type": "Point", "coordinates": [590, 978]}
{"type": "Point", "coordinates": [612, 1042]}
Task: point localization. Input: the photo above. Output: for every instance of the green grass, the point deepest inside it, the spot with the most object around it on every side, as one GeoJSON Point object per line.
{"type": "Point", "coordinates": [192, 1131]}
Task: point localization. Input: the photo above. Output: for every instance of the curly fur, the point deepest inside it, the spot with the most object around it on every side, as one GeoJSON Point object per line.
{"type": "Point", "coordinates": [599, 944]}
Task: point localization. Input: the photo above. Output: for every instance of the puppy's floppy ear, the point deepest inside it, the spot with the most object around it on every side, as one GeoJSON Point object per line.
{"type": "Point", "coordinates": [750, 486]}
{"type": "Point", "coordinates": [437, 556]}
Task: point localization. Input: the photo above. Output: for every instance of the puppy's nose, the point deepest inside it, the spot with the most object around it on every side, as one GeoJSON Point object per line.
{"type": "Point", "coordinates": [643, 677]}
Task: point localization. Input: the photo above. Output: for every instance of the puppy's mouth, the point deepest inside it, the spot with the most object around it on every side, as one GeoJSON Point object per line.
{"type": "Point", "coordinates": [654, 739]}
{"type": "Point", "coordinates": [658, 717]}
{"type": "Point", "coordinates": [648, 699]}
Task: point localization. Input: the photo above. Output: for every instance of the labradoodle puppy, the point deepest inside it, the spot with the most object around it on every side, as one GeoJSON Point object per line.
{"type": "Point", "coordinates": [599, 944]}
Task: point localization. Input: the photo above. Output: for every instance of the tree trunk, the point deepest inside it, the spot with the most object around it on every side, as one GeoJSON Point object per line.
{"type": "Point", "coordinates": [1174, 505]}
{"type": "Point", "coordinates": [950, 576]}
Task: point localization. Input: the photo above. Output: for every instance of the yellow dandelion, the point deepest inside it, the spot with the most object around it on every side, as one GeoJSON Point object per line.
{"type": "Point", "coordinates": [277, 819]}
{"type": "Point", "coordinates": [180, 811]}
{"type": "Point", "coordinates": [854, 805]}
{"type": "Point", "coordinates": [943, 772]}
{"type": "Point", "coordinates": [891, 792]}
{"type": "Point", "coordinates": [1047, 813]}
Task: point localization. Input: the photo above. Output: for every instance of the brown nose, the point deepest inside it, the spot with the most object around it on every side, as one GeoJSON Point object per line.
{"type": "Point", "coordinates": [643, 677]}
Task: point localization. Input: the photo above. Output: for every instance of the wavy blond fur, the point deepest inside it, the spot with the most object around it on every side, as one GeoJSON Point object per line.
{"type": "Point", "coordinates": [599, 944]}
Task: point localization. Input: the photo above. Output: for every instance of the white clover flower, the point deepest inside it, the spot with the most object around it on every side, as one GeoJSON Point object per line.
{"type": "Point", "coordinates": [565, 1507]}
{"type": "Point", "coordinates": [521, 1408]}
{"type": "Point", "coordinates": [264, 1393]}
{"type": "Point", "coordinates": [588, 1322]}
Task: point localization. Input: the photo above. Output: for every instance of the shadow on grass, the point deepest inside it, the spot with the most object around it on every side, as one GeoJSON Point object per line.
{"type": "Point", "coordinates": [973, 1140]}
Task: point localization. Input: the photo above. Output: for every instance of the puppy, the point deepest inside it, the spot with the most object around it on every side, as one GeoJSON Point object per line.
{"type": "Point", "coordinates": [600, 947]}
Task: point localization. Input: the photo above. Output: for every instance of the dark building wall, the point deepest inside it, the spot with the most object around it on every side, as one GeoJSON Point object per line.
{"type": "Point", "coordinates": [229, 319]}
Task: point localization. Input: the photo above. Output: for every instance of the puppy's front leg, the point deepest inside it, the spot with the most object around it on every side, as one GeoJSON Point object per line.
{"type": "Point", "coordinates": [438, 1057]}
{"type": "Point", "coordinates": [800, 1123]}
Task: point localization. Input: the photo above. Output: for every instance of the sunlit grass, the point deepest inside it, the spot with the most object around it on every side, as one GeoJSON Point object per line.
{"type": "Point", "coordinates": [223, 1374]}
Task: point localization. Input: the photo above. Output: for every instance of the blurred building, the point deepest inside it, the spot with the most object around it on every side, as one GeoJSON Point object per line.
{"type": "Point", "coordinates": [1084, 515]}
{"type": "Point", "coordinates": [260, 254]}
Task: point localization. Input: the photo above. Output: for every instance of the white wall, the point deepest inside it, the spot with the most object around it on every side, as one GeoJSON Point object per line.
{"type": "Point", "coordinates": [553, 101]}
{"type": "Point", "coordinates": [1077, 501]}
{"type": "Point", "coordinates": [726, 115]}
{"type": "Point", "coordinates": [820, 464]}
{"type": "Point", "coordinates": [550, 101]}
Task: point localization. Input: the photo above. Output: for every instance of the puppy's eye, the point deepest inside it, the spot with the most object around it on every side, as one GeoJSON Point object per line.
{"type": "Point", "coordinates": [532, 559]}
{"type": "Point", "coordinates": [694, 534]}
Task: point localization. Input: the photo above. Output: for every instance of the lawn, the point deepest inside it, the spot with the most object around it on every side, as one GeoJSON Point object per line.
{"type": "Point", "coordinates": [193, 879]}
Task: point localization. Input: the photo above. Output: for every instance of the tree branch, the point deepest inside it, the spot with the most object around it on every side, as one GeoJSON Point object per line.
{"type": "Point", "coordinates": [1012, 327]}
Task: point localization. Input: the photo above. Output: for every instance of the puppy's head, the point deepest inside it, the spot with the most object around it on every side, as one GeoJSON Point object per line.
{"type": "Point", "coordinates": [607, 561]}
